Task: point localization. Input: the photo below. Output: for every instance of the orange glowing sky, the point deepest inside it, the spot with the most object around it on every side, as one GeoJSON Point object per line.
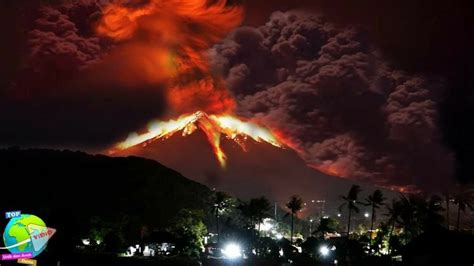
{"type": "Point", "coordinates": [175, 36]}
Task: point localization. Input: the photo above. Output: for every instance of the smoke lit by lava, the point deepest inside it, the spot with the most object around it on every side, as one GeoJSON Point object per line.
{"type": "Point", "coordinates": [165, 42]}
{"type": "Point", "coordinates": [176, 35]}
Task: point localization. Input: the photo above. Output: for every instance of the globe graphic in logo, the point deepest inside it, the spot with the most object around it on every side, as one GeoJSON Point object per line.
{"type": "Point", "coordinates": [17, 231]}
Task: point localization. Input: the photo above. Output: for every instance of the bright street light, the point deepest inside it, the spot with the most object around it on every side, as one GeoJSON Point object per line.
{"type": "Point", "coordinates": [366, 215]}
{"type": "Point", "coordinates": [324, 250]}
{"type": "Point", "coordinates": [232, 251]}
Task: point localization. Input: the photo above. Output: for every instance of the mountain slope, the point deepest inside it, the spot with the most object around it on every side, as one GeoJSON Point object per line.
{"type": "Point", "coordinates": [67, 189]}
{"type": "Point", "coordinates": [261, 170]}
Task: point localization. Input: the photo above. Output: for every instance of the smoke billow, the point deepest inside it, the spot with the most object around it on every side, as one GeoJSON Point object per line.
{"type": "Point", "coordinates": [166, 42]}
{"type": "Point", "coordinates": [332, 94]}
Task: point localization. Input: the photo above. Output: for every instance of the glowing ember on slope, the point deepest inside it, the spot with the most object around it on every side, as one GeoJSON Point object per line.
{"type": "Point", "coordinates": [330, 169]}
{"type": "Point", "coordinates": [214, 126]}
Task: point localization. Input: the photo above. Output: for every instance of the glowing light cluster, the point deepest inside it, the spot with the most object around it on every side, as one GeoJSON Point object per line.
{"type": "Point", "coordinates": [232, 251]}
{"type": "Point", "coordinates": [214, 126]}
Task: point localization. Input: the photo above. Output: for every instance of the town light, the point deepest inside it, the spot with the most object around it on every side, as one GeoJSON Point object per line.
{"type": "Point", "coordinates": [366, 215]}
{"type": "Point", "coordinates": [324, 250]}
{"type": "Point", "coordinates": [232, 251]}
{"type": "Point", "coordinates": [265, 226]}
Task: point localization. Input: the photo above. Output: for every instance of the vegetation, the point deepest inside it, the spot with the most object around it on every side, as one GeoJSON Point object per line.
{"type": "Point", "coordinates": [255, 210]}
{"type": "Point", "coordinates": [374, 200]}
{"type": "Point", "coordinates": [351, 202]}
{"type": "Point", "coordinates": [220, 204]}
{"type": "Point", "coordinates": [464, 199]}
{"type": "Point", "coordinates": [88, 196]}
{"type": "Point", "coordinates": [294, 206]}
{"type": "Point", "coordinates": [326, 225]}
{"type": "Point", "coordinates": [189, 230]}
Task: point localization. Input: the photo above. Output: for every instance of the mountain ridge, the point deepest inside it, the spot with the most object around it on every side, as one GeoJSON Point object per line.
{"type": "Point", "coordinates": [263, 170]}
{"type": "Point", "coordinates": [48, 182]}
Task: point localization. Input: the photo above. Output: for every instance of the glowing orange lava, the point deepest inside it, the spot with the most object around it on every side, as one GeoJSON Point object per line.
{"type": "Point", "coordinates": [330, 169]}
{"type": "Point", "coordinates": [214, 126]}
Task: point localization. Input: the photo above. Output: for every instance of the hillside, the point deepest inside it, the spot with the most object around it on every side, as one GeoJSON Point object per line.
{"type": "Point", "coordinates": [262, 169]}
{"type": "Point", "coordinates": [68, 189]}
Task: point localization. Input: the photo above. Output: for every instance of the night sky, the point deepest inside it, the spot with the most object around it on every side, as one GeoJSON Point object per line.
{"type": "Point", "coordinates": [375, 91]}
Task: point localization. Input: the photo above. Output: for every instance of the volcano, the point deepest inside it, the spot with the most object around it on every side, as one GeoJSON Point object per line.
{"type": "Point", "coordinates": [214, 126]}
{"type": "Point", "coordinates": [262, 168]}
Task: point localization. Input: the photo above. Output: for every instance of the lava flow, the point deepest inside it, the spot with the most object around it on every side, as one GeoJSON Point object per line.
{"type": "Point", "coordinates": [214, 126]}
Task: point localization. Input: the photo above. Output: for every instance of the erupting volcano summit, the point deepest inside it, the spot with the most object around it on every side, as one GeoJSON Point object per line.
{"type": "Point", "coordinates": [212, 125]}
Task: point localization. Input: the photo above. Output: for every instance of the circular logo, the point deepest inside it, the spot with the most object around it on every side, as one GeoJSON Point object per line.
{"type": "Point", "coordinates": [26, 234]}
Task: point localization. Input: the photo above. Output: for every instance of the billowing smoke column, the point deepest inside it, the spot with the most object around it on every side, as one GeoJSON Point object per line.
{"type": "Point", "coordinates": [346, 110]}
{"type": "Point", "coordinates": [165, 42]}
{"type": "Point", "coordinates": [171, 38]}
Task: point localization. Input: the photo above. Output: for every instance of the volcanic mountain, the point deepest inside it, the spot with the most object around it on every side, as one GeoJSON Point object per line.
{"type": "Point", "coordinates": [262, 168]}
{"type": "Point", "coordinates": [214, 126]}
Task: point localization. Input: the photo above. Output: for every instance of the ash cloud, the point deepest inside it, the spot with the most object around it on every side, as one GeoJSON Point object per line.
{"type": "Point", "coordinates": [59, 93]}
{"type": "Point", "coordinates": [347, 110]}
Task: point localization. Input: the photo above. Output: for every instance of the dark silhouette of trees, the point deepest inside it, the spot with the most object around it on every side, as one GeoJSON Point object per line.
{"type": "Point", "coordinates": [431, 217]}
{"type": "Point", "coordinates": [415, 214]}
{"type": "Point", "coordinates": [351, 202]}
{"type": "Point", "coordinates": [326, 225]}
{"type": "Point", "coordinates": [221, 202]}
{"type": "Point", "coordinates": [394, 212]}
{"type": "Point", "coordinates": [464, 199]}
{"type": "Point", "coordinates": [294, 205]}
{"type": "Point", "coordinates": [375, 200]}
{"type": "Point", "coordinates": [447, 198]}
{"type": "Point", "coordinates": [255, 211]}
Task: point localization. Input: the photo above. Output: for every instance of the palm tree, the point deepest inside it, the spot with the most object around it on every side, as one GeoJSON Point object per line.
{"type": "Point", "coordinates": [260, 207]}
{"type": "Point", "coordinates": [431, 217]}
{"type": "Point", "coordinates": [220, 203]}
{"type": "Point", "coordinates": [464, 199]}
{"type": "Point", "coordinates": [351, 204]}
{"type": "Point", "coordinates": [375, 200]}
{"type": "Point", "coordinates": [394, 213]}
{"type": "Point", "coordinates": [447, 198]}
{"type": "Point", "coordinates": [419, 214]}
{"type": "Point", "coordinates": [294, 205]}
{"type": "Point", "coordinates": [410, 214]}
{"type": "Point", "coordinates": [256, 210]}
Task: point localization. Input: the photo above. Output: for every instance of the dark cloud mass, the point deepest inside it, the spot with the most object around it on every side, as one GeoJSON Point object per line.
{"type": "Point", "coordinates": [344, 106]}
{"type": "Point", "coordinates": [61, 93]}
